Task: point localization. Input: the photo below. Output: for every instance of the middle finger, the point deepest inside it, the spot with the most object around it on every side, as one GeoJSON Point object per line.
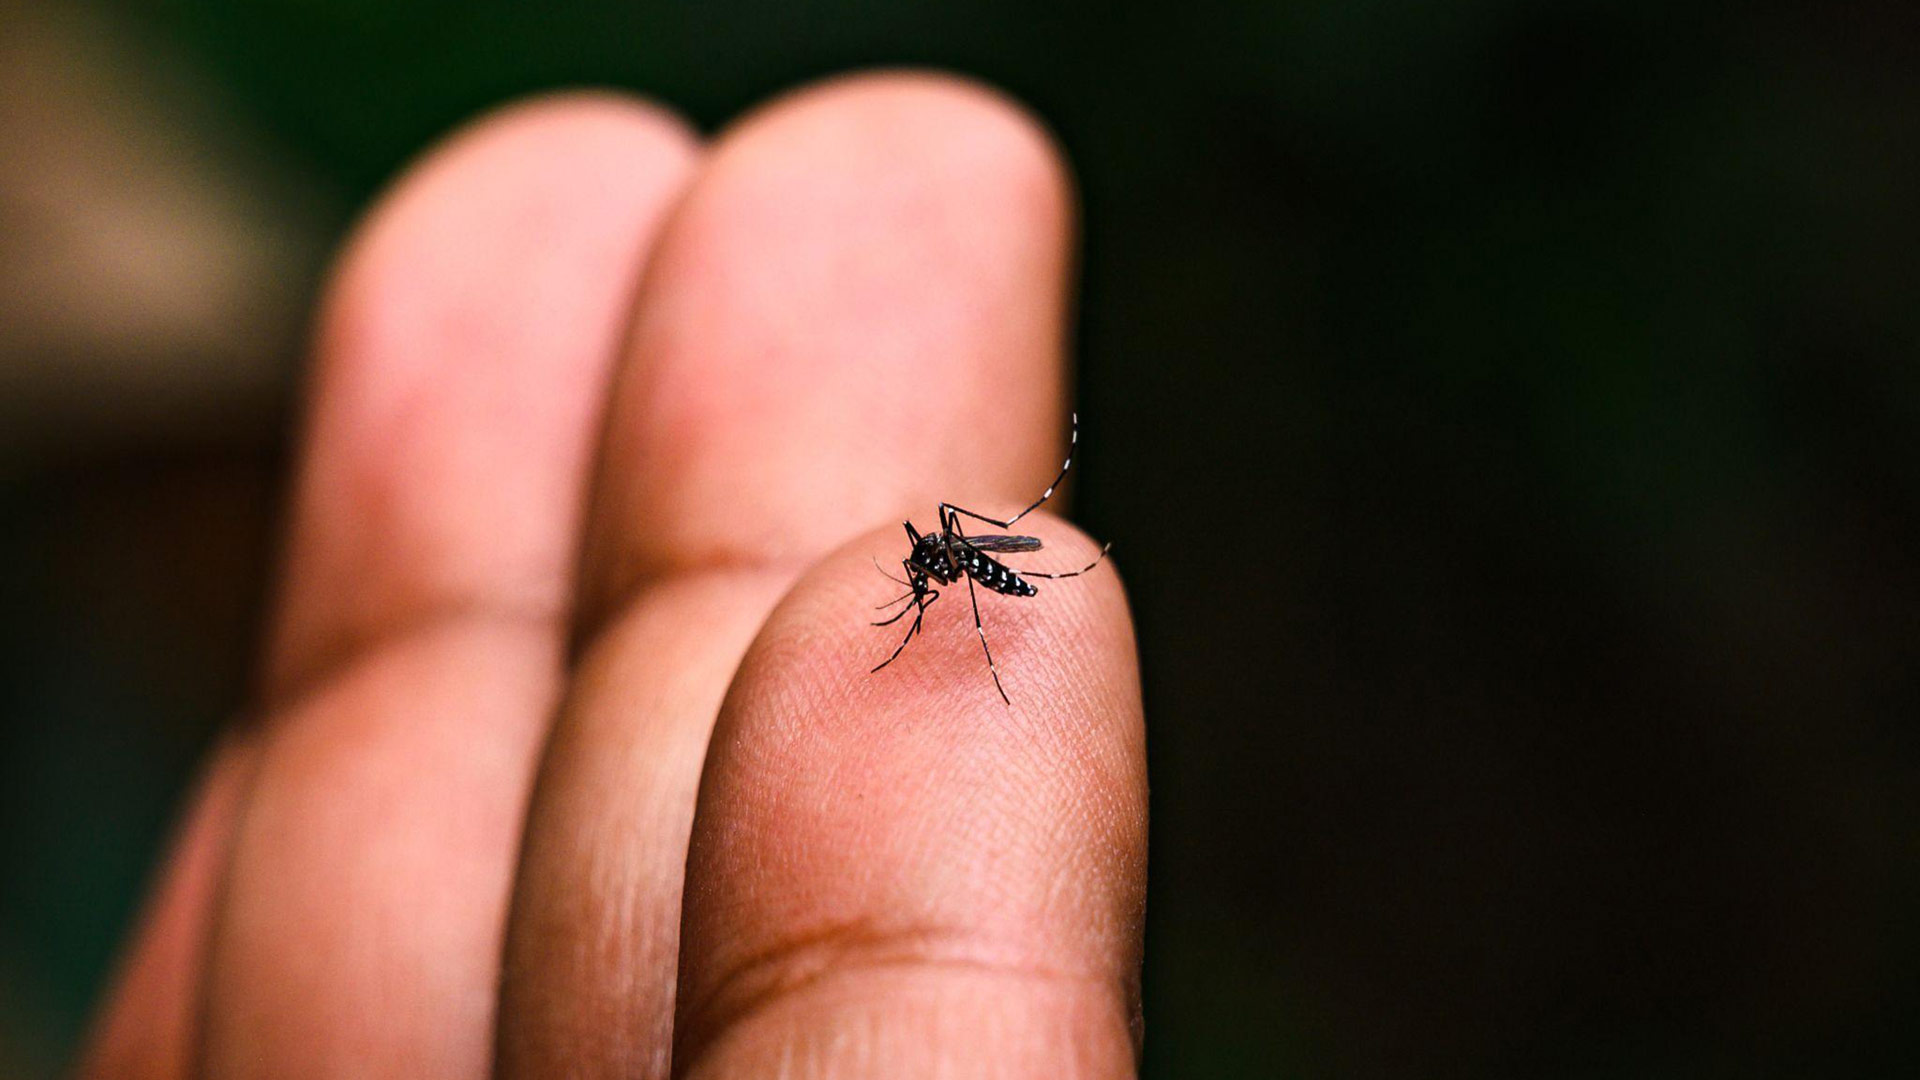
{"type": "Point", "coordinates": [857, 310]}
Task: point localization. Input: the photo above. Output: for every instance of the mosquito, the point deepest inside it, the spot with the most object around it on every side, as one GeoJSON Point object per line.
{"type": "Point", "coordinates": [950, 554]}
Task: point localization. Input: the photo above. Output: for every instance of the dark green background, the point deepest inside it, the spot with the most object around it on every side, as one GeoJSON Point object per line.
{"type": "Point", "coordinates": [1505, 413]}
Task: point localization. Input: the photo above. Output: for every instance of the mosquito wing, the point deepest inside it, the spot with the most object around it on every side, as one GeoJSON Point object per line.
{"type": "Point", "coordinates": [1004, 543]}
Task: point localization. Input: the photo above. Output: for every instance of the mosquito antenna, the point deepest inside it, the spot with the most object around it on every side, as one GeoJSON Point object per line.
{"type": "Point", "coordinates": [889, 577]}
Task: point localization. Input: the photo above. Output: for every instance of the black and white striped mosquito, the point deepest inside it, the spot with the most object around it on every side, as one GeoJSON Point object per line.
{"type": "Point", "coordinates": [950, 554]}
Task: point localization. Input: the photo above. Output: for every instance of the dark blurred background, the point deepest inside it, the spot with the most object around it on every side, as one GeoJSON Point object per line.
{"type": "Point", "coordinates": [1507, 412]}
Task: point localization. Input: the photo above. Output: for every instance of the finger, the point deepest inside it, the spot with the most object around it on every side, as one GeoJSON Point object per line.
{"type": "Point", "coordinates": [862, 300]}
{"type": "Point", "coordinates": [898, 874]}
{"type": "Point", "coordinates": [858, 307]}
{"type": "Point", "coordinates": [462, 364]}
{"type": "Point", "coordinates": [463, 359]}
{"type": "Point", "coordinates": [148, 1021]}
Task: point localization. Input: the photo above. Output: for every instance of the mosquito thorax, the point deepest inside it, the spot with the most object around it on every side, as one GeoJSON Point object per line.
{"type": "Point", "coordinates": [930, 554]}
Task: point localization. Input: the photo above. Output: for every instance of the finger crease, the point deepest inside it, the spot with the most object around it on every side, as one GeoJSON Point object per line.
{"type": "Point", "coordinates": [800, 964]}
{"type": "Point", "coordinates": [347, 654]}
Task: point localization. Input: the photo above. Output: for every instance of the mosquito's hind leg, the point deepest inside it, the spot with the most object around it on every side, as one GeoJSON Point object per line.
{"type": "Point", "coordinates": [948, 510]}
{"type": "Point", "coordinates": [1104, 548]}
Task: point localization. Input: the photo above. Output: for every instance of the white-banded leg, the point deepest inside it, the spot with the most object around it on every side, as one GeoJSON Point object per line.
{"type": "Point", "coordinates": [921, 603]}
{"type": "Point", "coordinates": [896, 617]}
{"type": "Point", "coordinates": [1070, 573]}
{"type": "Point", "coordinates": [955, 532]}
{"type": "Point", "coordinates": [948, 510]}
{"type": "Point", "coordinates": [908, 595]}
{"type": "Point", "coordinates": [982, 631]}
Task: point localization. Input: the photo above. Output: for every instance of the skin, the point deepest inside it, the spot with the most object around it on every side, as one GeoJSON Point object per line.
{"type": "Point", "coordinates": [567, 761]}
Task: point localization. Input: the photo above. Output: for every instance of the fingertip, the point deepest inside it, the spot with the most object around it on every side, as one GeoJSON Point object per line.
{"type": "Point", "coordinates": [1065, 653]}
{"type": "Point", "coordinates": [461, 360]}
{"type": "Point", "coordinates": [946, 128]}
{"type": "Point", "coordinates": [867, 274]}
{"type": "Point", "coordinates": [851, 822]}
{"type": "Point", "coordinates": [477, 204]}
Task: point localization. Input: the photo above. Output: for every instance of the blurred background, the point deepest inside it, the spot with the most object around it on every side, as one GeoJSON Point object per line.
{"type": "Point", "coordinates": [1509, 414]}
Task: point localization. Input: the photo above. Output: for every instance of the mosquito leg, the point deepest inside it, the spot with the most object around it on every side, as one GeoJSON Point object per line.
{"type": "Point", "coordinates": [910, 594]}
{"type": "Point", "coordinates": [901, 614]}
{"type": "Point", "coordinates": [951, 526]}
{"type": "Point", "coordinates": [982, 631]}
{"type": "Point", "coordinates": [947, 510]}
{"type": "Point", "coordinates": [920, 607]}
{"type": "Point", "coordinates": [1071, 573]}
{"type": "Point", "coordinates": [951, 510]}
{"type": "Point", "coordinates": [957, 545]}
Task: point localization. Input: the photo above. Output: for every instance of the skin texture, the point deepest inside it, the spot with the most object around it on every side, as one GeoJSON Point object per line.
{"type": "Point", "coordinates": [567, 759]}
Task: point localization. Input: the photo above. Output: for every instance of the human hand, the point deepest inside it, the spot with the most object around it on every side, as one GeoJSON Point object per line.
{"type": "Point", "coordinates": [568, 760]}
